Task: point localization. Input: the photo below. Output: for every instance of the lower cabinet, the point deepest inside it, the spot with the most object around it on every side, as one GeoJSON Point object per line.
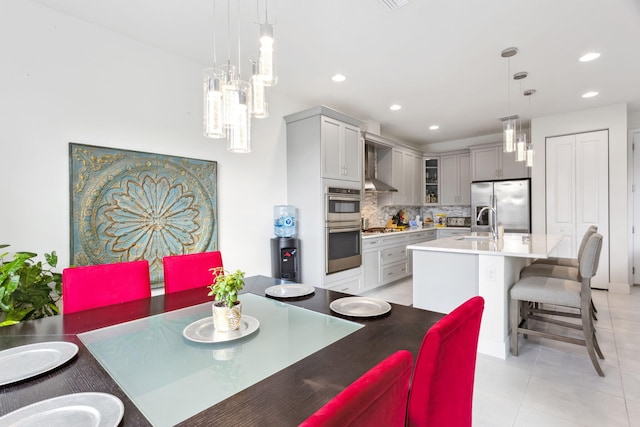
{"type": "Point", "coordinates": [385, 258]}
{"type": "Point", "coordinates": [351, 285]}
{"type": "Point", "coordinates": [450, 232]}
{"type": "Point", "coordinates": [371, 263]}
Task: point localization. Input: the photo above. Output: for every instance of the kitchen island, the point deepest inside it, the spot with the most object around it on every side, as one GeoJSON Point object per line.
{"type": "Point", "coordinates": [447, 272]}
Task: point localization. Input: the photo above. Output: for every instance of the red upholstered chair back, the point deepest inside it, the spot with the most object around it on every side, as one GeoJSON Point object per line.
{"type": "Point", "coordinates": [94, 286]}
{"type": "Point", "coordinates": [189, 271]}
{"type": "Point", "coordinates": [442, 386]}
{"type": "Point", "coordinates": [377, 398]}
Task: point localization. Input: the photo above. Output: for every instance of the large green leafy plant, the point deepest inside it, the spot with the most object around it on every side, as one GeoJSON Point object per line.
{"type": "Point", "coordinates": [28, 290]}
{"type": "Point", "coordinates": [226, 285]}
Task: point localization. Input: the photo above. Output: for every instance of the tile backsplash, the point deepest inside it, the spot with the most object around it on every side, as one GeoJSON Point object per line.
{"type": "Point", "coordinates": [379, 215]}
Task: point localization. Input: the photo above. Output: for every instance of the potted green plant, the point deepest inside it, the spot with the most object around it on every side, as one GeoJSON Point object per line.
{"type": "Point", "coordinates": [28, 290]}
{"type": "Point", "coordinates": [227, 310]}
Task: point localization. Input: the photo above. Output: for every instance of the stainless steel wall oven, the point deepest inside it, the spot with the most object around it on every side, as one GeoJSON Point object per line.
{"type": "Point", "coordinates": [342, 205]}
{"type": "Point", "coordinates": [343, 233]}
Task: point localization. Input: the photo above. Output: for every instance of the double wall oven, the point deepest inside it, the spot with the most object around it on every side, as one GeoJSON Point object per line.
{"type": "Point", "coordinates": [342, 229]}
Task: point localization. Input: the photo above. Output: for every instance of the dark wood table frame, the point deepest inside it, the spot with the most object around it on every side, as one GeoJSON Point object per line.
{"type": "Point", "coordinates": [284, 399]}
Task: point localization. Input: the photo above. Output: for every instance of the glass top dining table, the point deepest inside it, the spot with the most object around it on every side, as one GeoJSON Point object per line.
{"type": "Point", "coordinates": [301, 355]}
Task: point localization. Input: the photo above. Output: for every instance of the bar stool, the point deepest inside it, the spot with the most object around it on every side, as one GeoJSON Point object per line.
{"type": "Point", "coordinates": [569, 262]}
{"type": "Point", "coordinates": [531, 291]}
{"type": "Point", "coordinates": [561, 268]}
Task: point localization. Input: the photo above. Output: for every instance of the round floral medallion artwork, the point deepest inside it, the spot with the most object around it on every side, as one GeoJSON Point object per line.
{"type": "Point", "coordinates": [145, 209]}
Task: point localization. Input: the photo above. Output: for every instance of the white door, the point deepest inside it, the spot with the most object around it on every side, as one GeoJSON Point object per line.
{"type": "Point", "coordinates": [560, 164]}
{"type": "Point", "coordinates": [578, 193]}
{"type": "Point", "coordinates": [636, 205]}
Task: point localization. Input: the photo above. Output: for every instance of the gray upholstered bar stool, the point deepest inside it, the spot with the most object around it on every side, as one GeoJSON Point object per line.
{"type": "Point", "coordinates": [539, 264]}
{"type": "Point", "coordinates": [531, 291]}
{"type": "Point", "coordinates": [561, 268]}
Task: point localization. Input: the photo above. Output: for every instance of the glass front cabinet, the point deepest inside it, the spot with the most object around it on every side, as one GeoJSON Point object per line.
{"type": "Point", "coordinates": [431, 183]}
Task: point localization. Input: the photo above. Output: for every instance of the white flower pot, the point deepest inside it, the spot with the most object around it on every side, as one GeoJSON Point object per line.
{"type": "Point", "coordinates": [227, 319]}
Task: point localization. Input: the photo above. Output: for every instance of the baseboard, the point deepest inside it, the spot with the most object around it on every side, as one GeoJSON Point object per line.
{"type": "Point", "coordinates": [619, 288]}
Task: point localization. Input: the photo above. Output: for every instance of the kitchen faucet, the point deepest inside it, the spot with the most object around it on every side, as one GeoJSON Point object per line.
{"type": "Point", "coordinates": [492, 224]}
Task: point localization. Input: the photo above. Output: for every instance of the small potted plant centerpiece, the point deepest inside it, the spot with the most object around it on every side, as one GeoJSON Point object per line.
{"type": "Point", "coordinates": [227, 310]}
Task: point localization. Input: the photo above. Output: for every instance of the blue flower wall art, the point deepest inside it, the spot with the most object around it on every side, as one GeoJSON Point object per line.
{"type": "Point", "coordinates": [128, 205]}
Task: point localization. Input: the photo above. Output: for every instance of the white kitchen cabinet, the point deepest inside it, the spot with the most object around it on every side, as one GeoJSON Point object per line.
{"type": "Point", "coordinates": [385, 258]}
{"type": "Point", "coordinates": [489, 162]}
{"type": "Point", "coordinates": [455, 182]}
{"type": "Point", "coordinates": [403, 170]}
{"type": "Point", "coordinates": [371, 263]}
{"type": "Point", "coordinates": [324, 149]}
{"type": "Point", "coordinates": [342, 154]}
{"type": "Point", "coordinates": [431, 187]}
{"type": "Point", "coordinates": [352, 285]}
{"type": "Point", "coordinates": [450, 232]}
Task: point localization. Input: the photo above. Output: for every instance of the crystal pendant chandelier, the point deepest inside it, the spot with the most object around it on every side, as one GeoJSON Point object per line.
{"type": "Point", "coordinates": [259, 105]}
{"type": "Point", "coordinates": [229, 101]}
{"type": "Point", "coordinates": [266, 59]}
{"type": "Point", "coordinates": [529, 150]}
{"type": "Point", "coordinates": [239, 138]}
{"type": "Point", "coordinates": [521, 138]}
{"type": "Point", "coordinates": [509, 124]}
{"type": "Point", "coordinates": [213, 103]}
{"type": "Point", "coordinates": [214, 81]}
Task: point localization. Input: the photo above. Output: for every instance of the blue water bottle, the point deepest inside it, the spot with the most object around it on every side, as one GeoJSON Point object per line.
{"type": "Point", "coordinates": [284, 221]}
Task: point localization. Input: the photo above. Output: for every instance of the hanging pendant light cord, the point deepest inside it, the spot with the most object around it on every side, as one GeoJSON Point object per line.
{"type": "Point", "coordinates": [228, 34]}
{"type": "Point", "coordinates": [509, 86]}
{"type": "Point", "coordinates": [238, 26]}
{"type": "Point", "coordinates": [214, 34]}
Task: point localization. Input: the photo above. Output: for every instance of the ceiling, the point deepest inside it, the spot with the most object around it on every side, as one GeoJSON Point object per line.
{"type": "Point", "coordinates": [439, 59]}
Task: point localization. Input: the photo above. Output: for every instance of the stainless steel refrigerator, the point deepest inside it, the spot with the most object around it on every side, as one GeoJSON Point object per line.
{"type": "Point", "coordinates": [511, 200]}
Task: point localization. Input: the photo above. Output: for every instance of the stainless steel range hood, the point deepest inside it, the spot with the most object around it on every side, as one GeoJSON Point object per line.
{"type": "Point", "coordinates": [371, 182]}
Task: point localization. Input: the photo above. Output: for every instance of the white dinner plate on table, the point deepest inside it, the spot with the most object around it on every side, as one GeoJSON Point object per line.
{"type": "Point", "coordinates": [360, 306]}
{"type": "Point", "coordinates": [203, 331]}
{"type": "Point", "coordinates": [26, 361]}
{"type": "Point", "coordinates": [290, 290]}
{"type": "Point", "coordinates": [77, 409]}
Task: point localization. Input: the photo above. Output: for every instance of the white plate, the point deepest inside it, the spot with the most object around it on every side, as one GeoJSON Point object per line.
{"type": "Point", "coordinates": [360, 306]}
{"type": "Point", "coordinates": [26, 361]}
{"type": "Point", "coordinates": [289, 291]}
{"type": "Point", "coordinates": [203, 331]}
{"type": "Point", "coordinates": [78, 409]}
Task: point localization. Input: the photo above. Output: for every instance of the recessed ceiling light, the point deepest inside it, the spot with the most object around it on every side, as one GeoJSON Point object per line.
{"type": "Point", "coordinates": [589, 56]}
{"type": "Point", "coordinates": [338, 78]}
{"type": "Point", "coordinates": [395, 107]}
{"type": "Point", "coordinates": [434, 127]}
{"type": "Point", "coordinates": [590, 94]}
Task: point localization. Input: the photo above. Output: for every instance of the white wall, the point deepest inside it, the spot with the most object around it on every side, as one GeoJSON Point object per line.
{"type": "Point", "coordinates": [63, 80]}
{"type": "Point", "coordinates": [460, 144]}
{"type": "Point", "coordinates": [633, 120]}
{"type": "Point", "coordinates": [613, 118]}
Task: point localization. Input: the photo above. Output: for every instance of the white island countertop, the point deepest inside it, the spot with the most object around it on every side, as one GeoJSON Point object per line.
{"type": "Point", "coordinates": [512, 245]}
{"type": "Point", "coordinates": [447, 272]}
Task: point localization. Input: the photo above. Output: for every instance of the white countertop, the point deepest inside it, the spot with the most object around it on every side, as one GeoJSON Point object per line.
{"type": "Point", "coordinates": [512, 244]}
{"type": "Point", "coordinates": [396, 233]}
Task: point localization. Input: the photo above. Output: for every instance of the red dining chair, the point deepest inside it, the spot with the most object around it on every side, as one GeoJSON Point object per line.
{"type": "Point", "coordinates": [441, 391]}
{"type": "Point", "coordinates": [377, 398]}
{"type": "Point", "coordinates": [189, 271]}
{"type": "Point", "coordinates": [94, 286]}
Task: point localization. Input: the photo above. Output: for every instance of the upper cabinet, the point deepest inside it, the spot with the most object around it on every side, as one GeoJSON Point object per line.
{"type": "Point", "coordinates": [455, 180]}
{"type": "Point", "coordinates": [431, 187]}
{"type": "Point", "coordinates": [341, 150]}
{"type": "Point", "coordinates": [325, 143]}
{"type": "Point", "coordinates": [489, 162]}
{"type": "Point", "coordinates": [403, 170]}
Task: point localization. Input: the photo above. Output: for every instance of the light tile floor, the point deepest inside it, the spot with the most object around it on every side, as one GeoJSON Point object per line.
{"type": "Point", "coordinates": [553, 383]}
